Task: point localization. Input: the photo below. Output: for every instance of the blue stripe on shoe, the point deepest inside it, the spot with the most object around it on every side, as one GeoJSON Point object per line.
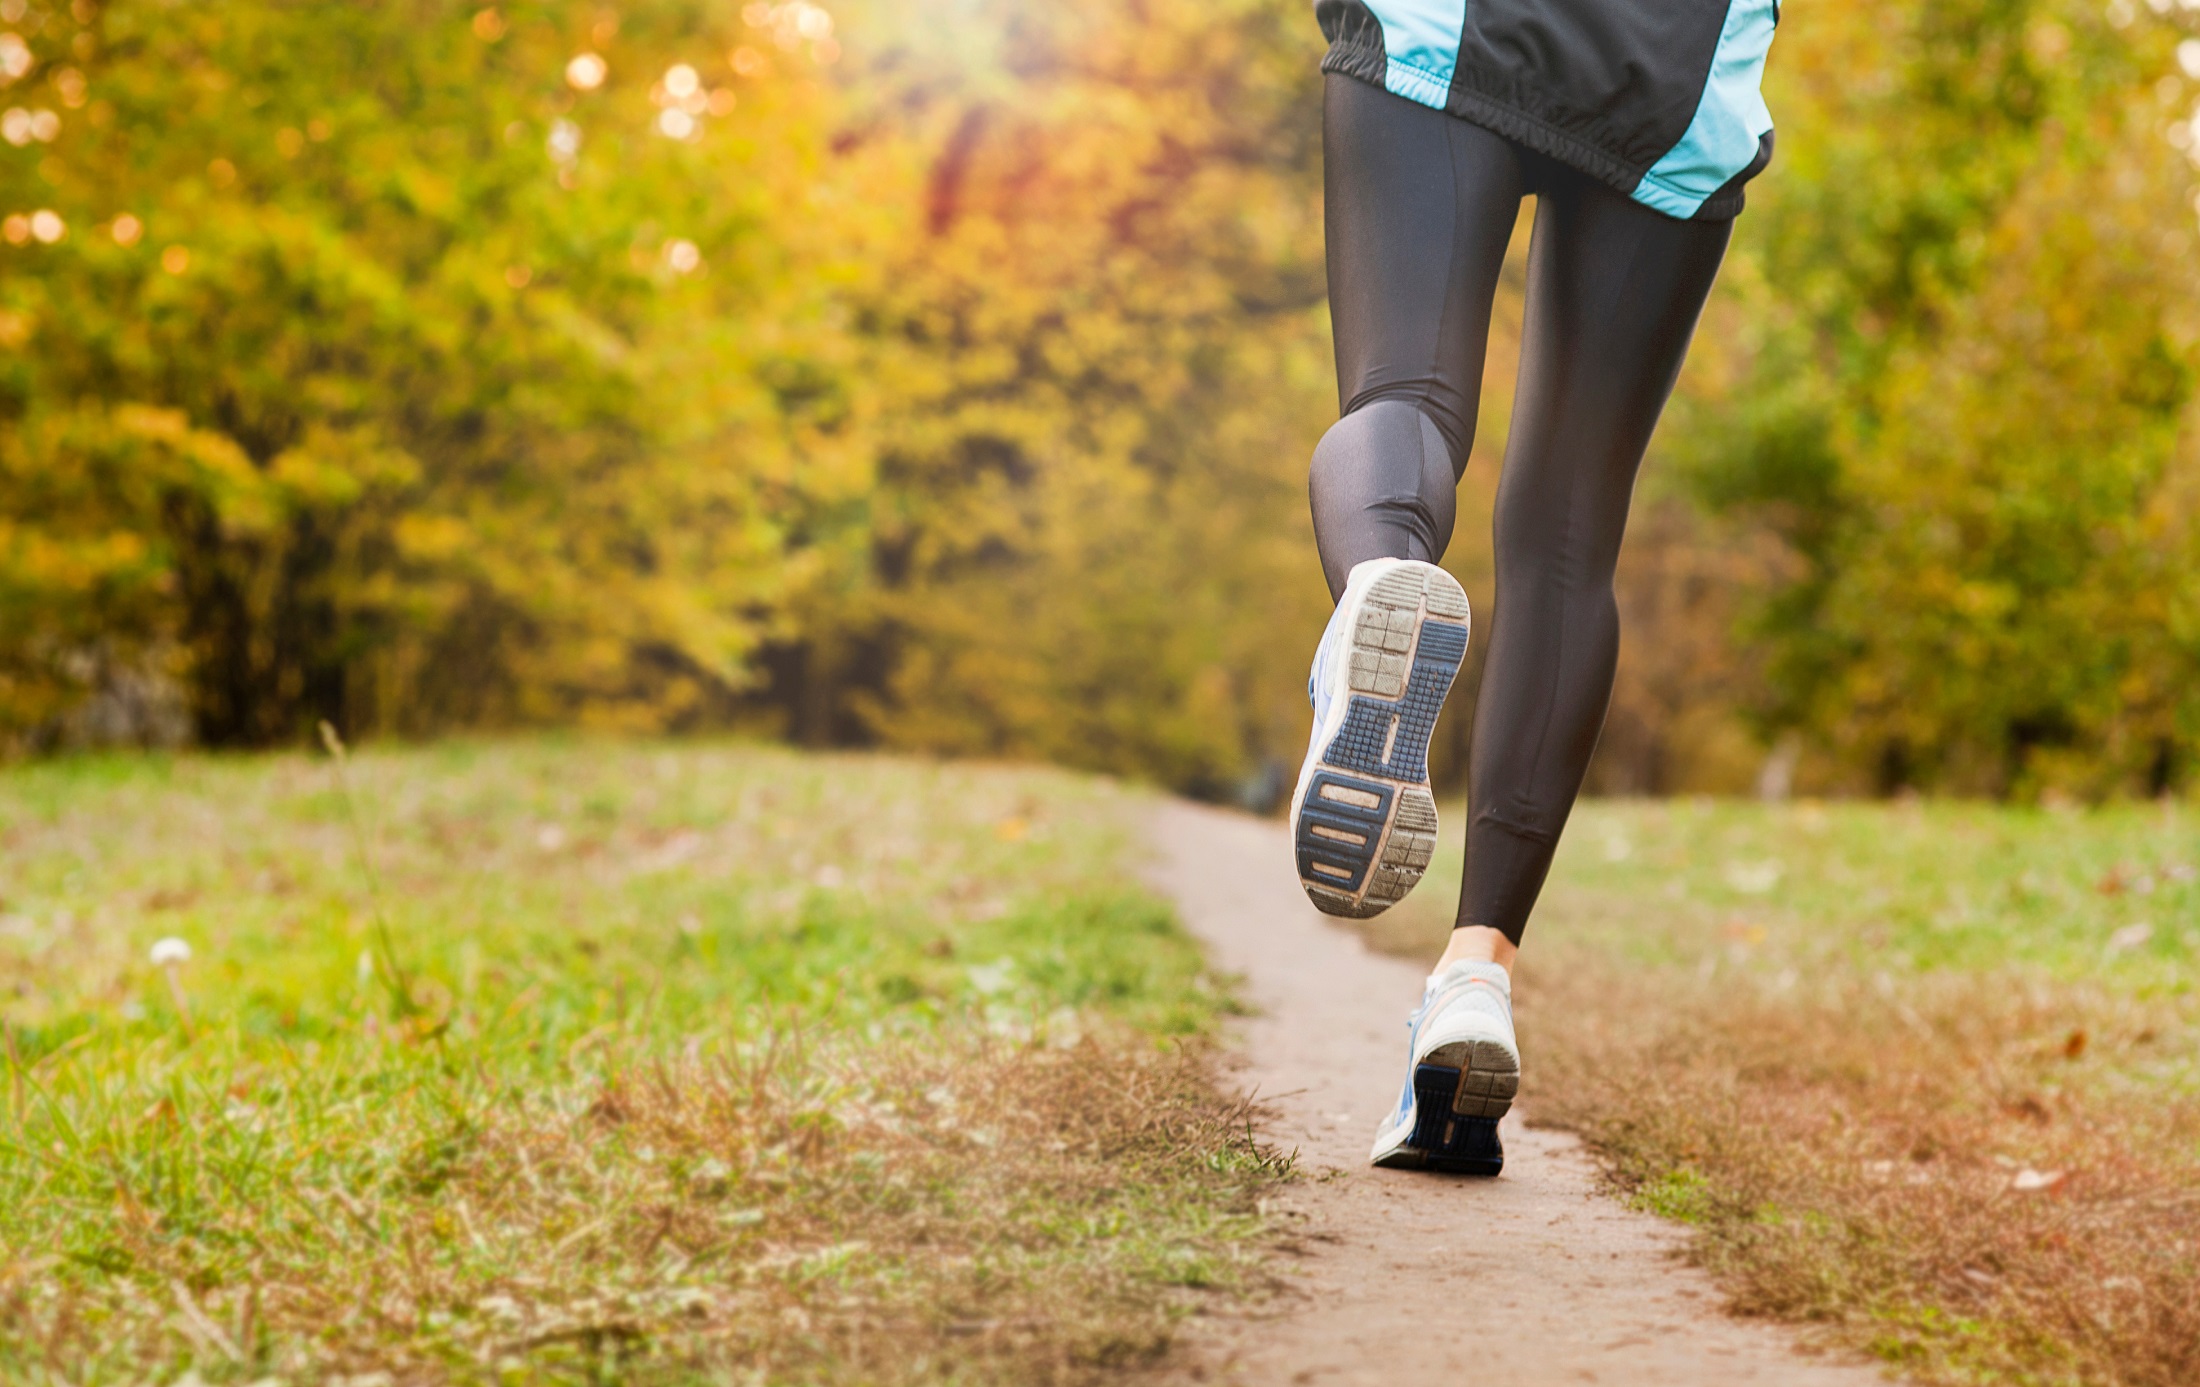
{"type": "Point", "coordinates": [1447, 1141]}
{"type": "Point", "coordinates": [1360, 743]}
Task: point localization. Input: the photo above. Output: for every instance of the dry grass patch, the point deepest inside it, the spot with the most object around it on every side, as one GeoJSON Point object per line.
{"type": "Point", "coordinates": [1926, 1080]}
{"type": "Point", "coordinates": [672, 1064]}
{"type": "Point", "coordinates": [1931, 1175]}
{"type": "Point", "coordinates": [966, 1211]}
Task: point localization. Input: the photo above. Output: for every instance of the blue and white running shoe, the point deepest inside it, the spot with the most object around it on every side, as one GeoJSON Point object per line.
{"type": "Point", "coordinates": [1363, 823]}
{"type": "Point", "coordinates": [1463, 1071]}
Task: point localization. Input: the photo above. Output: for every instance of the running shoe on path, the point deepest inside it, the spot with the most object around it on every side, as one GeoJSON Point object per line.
{"type": "Point", "coordinates": [1363, 823]}
{"type": "Point", "coordinates": [1463, 1071]}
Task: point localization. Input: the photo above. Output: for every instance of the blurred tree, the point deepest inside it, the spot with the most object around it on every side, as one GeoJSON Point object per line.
{"type": "Point", "coordinates": [368, 363]}
{"type": "Point", "coordinates": [420, 366]}
{"type": "Point", "coordinates": [1951, 370]}
{"type": "Point", "coordinates": [1097, 356]}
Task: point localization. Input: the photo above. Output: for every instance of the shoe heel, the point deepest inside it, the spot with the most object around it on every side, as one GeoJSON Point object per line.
{"type": "Point", "coordinates": [1450, 1141]}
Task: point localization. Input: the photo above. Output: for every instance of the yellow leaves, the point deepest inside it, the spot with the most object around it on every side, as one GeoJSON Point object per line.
{"type": "Point", "coordinates": [432, 538]}
{"type": "Point", "coordinates": [56, 566]}
{"type": "Point", "coordinates": [335, 467]}
{"type": "Point", "coordinates": [171, 436]}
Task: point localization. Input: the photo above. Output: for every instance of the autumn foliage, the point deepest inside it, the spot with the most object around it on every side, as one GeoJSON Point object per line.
{"type": "Point", "coordinates": [942, 376]}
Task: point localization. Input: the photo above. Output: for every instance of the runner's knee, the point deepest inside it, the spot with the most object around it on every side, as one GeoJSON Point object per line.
{"type": "Point", "coordinates": [1382, 485]}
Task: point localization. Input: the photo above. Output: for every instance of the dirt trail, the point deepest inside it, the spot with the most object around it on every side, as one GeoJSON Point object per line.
{"type": "Point", "coordinates": [1526, 1280]}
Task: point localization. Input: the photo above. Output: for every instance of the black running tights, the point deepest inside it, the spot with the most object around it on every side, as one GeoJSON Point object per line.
{"type": "Point", "coordinates": [1420, 206]}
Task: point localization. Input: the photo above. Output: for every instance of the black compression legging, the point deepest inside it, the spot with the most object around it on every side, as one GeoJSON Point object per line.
{"type": "Point", "coordinates": [1420, 206]}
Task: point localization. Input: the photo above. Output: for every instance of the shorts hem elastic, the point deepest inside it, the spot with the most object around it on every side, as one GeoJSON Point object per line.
{"type": "Point", "coordinates": [1368, 63]}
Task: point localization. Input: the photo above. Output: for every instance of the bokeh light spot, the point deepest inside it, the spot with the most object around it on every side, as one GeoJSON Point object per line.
{"type": "Point", "coordinates": [517, 276]}
{"type": "Point", "coordinates": [222, 172]}
{"type": "Point", "coordinates": [682, 81]}
{"type": "Point", "coordinates": [564, 142]}
{"type": "Point", "coordinates": [16, 228]}
{"type": "Point", "coordinates": [586, 72]}
{"type": "Point", "coordinates": [683, 256]}
{"type": "Point", "coordinates": [488, 25]}
{"type": "Point", "coordinates": [47, 226]}
{"type": "Point", "coordinates": [791, 26]}
{"type": "Point", "coordinates": [175, 260]}
{"type": "Point", "coordinates": [126, 230]}
{"type": "Point", "coordinates": [675, 123]}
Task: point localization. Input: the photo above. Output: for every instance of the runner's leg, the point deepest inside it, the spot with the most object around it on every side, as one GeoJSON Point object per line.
{"type": "Point", "coordinates": [1419, 208]}
{"type": "Point", "coordinates": [1614, 291]}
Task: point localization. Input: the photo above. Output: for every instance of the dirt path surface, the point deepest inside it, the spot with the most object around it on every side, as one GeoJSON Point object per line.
{"type": "Point", "coordinates": [1529, 1279]}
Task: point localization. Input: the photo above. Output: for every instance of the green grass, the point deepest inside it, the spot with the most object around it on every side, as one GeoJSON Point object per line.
{"type": "Point", "coordinates": [1910, 888]}
{"type": "Point", "coordinates": [667, 1062]}
{"type": "Point", "coordinates": [1925, 1076]}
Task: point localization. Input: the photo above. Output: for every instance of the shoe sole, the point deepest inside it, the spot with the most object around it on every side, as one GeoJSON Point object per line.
{"type": "Point", "coordinates": [1364, 827]}
{"type": "Point", "coordinates": [1485, 1077]}
{"type": "Point", "coordinates": [1444, 1139]}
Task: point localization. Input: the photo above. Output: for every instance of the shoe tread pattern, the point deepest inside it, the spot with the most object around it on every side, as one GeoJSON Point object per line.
{"type": "Point", "coordinates": [1408, 641]}
{"type": "Point", "coordinates": [1489, 1076]}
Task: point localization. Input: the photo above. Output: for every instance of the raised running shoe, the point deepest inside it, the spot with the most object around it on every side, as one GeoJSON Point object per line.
{"type": "Point", "coordinates": [1363, 823]}
{"type": "Point", "coordinates": [1462, 1073]}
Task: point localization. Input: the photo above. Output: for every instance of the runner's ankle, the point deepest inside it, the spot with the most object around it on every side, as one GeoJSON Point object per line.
{"type": "Point", "coordinates": [1478, 944]}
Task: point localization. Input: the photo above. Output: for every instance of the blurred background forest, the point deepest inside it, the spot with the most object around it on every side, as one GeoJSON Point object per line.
{"type": "Point", "coordinates": [941, 375]}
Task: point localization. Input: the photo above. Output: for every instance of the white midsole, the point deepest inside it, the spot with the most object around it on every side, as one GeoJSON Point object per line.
{"type": "Point", "coordinates": [1363, 579]}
